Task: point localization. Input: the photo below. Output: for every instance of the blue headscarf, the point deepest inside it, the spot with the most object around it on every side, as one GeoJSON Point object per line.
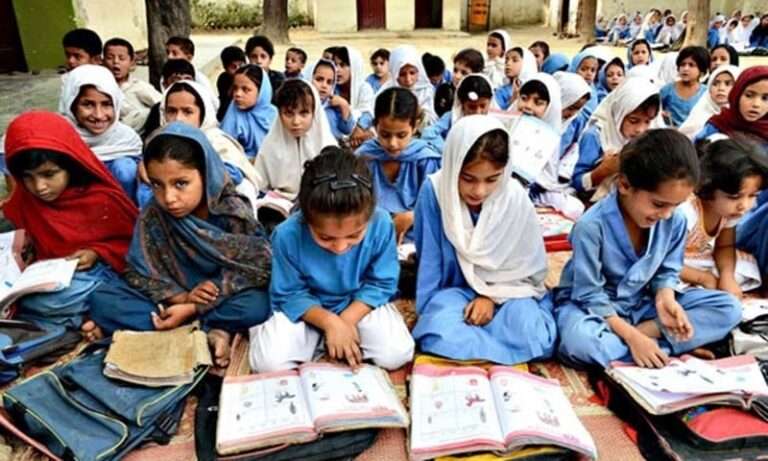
{"type": "Point", "coordinates": [250, 126]}
{"type": "Point", "coordinates": [632, 46]}
{"type": "Point", "coordinates": [576, 61]}
{"type": "Point", "coordinates": [554, 63]}
{"type": "Point", "coordinates": [602, 80]}
{"type": "Point", "coordinates": [169, 255]}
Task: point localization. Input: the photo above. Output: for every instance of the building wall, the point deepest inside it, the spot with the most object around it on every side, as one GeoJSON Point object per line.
{"type": "Point", "coordinates": [128, 21]}
{"type": "Point", "coordinates": [400, 14]}
{"type": "Point", "coordinates": [515, 12]}
{"type": "Point", "coordinates": [326, 20]}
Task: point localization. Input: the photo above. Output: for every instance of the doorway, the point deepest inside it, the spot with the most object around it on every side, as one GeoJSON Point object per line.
{"type": "Point", "coordinates": [428, 14]}
{"type": "Point", "coordinates": [371, 14]}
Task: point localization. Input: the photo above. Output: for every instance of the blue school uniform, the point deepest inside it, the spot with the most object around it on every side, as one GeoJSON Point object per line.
{"type": "Point", "coordinates": [555, 62]}
{"type": "Point", "coordinates": [590, 152]}
{"type": "Point", "coordinates": [374, 81]}
{"type": "Point", "coordinates": [504, 95]}
{"type": "Point", "coordinates": [250, 127]}
{"type": "Point", "coordinates": [606, 277]}
{"type": "Point", "coordinates": [592, 103]}
{"type": "Point", "coordinates": [435, 134]}
{"type": "Point", "coordinates": [521, 329]}
{"type": "Point", "coordinates": [417, 161]}
{"type": "Point", "coordinates": [713, 37]}
{"type": "Point", "coordinates": [758, 41]}
{"type": "Point", "coordinates": [339, 126]}
{"type": "Point", "coordinates": [751, 233]}
{"type": "Point", "coordinates": [305, 275]}
{"type": "Point", "coordinates": [573, 132]}
{"type": "Point", "coordinates": [678, 108]}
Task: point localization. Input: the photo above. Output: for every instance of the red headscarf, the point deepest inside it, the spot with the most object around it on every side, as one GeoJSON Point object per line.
{"type": "Point", "coordinates": [98, 216]}
{"type": "Point", "coordinates": [730, 120]}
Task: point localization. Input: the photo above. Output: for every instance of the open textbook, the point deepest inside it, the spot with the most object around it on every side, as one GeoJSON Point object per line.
{"type": "Point", "coordinates": [296, 406]}
{"type": "Point", "coordinates": [16, 280]}
{"type": "Point", "coordinates": [466, 409]}
{"type": "Point", "coordinates": [689, 382]}
{"type": "Point", "coordinates": [533, 143]}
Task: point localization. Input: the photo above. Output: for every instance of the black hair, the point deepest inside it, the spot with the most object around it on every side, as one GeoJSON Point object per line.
{"type": "Point", "coordinates": [726, 163]}
{"type": "Point", "coordinates": [32, 158]}
{"type": "Point", "coordinates": [544, 46]}
{"type": "Point", "coordinates": [493, 146]}
{"type": "Point", "coordinates": [614, 62]}
{"type": "Point", "coordinates": [262, 42]}
{"type": "Point", "coordinates": [231, 54]}
{"type": "Point", "coordinates": [380, 53]}
{"type": "Point", "coordinates": [444, 94]}
{"type": "Point", "coordinates": [117, 41]}
{"type": "Point", "coordinates": [699, 54]}
{"type": "Point", "coordinates": [336, 183]}
{"type": "Point", "coordinates": [253, 72]}
{"type": "Point", "coordinates": [471, 58]}
{"type": "Point", "coordinates": [182, 86]}
{"type": "Point", "coordinates": [342, 54]}
{"type": "Point", "coordinates": [473, 84]}
{"type": "Point", "coordinates": [171, 146]}
{"type": "Point", "coordinates": [85, 39]}
{"type": "Point", "coordinates": [498, 37]}
{"type": "Point", "coordinates": [657, 156]}
{"type": "Point", "coordinates": [434, 65]}
{"type": "Point", "coordinates": [652, 102]}
{"type": "Point", "coordinates": [185, 44]}
{"type": "Point", "coordinates": [733, 55]}
{"type": "Point", "coordinates": [295, 93]}
{"type": "Point", "coordinates": [330, 50]}
{"type": "Point", "coordinates": [82, 90]}
{"type": "Point", "coordinates": [640, 41]}
{"type": "Point", "coordinates": [322, 62]}
{"type": "Point", "coordinates": [398, 103]}
{"type": "Point", "coordinates": [302, 54]}
{"type": "Point", "coordinates": [535, 87]}
{"type": "Point", "coordinates": [177, 66]}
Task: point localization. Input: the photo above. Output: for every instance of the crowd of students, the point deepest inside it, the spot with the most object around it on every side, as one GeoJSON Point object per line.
{"type": "Point", "coordinates": [659, 160]}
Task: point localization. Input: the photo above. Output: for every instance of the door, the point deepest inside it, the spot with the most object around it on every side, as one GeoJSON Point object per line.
{"type": "Point", "coordinates": [370, 14]}
{"type": "Point", "coordinates": [11, 55]}
{"type": "Point", "coordinates": [429, 14]}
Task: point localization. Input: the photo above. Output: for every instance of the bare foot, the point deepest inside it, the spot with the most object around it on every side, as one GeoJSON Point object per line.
{"type": "Point", "coordinates": [91, 331]}
{"type": "Point", "coordinates": [703, 353]}
{"type": "Point", "coordinates": [219, 341]}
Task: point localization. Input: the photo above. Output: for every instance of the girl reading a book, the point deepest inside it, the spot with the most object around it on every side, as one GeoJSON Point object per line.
{"type": "Point", "coordinates": [197, 250]}
{"type": "Point", "coordinates": [480, 286]}
{"type": "Point", "coordinates": [399, 162]}
{"type": "Point", "coordinates": [334, 273]}
{"type": "Point", "coordinates": [617, 296]}
{"type": "Point", "coordinates": [71, 207]}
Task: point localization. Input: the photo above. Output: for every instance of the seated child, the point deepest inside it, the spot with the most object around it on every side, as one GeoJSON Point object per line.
{"type": "Point", "coordinates": [399, 162]}
{"type": "Point", "coordinates": [351, 86]}
{"type": "Point", "coordinates": [722, 55]}
{"type": "Point", "coordinates": [587, 64]}
{"type": "Point", "coordinates": [337, 109]}
{"type": "Point", "coordinates": [70, 207]}
{"type": "Point", "coordinates": [91, 100]}
{"type": "Point", "coordinates": [713, 34]}
{"type": "Point", "coordinates": [380, 67]}
{"type": "Point", "coordinates": [639, 53]}
{"type": "Point", "coordinates": [634, 29]}
{"type": "Point", "coordinates": [557, 62]}
{"type": "Point", "coordinates": [335, 271]}
{"type": "Point", "coordinates": [81, 46]}
{"type": "Point", "coordinates": [436, 71]}
{"type": "Point", "coordinates": [759, 36]}
{"type": "Point", "coordinates": [408, 72]}
{"type": "Point", "coordinates": [619, 31]}
{"type": "Point", "coordinates": [299, 134]}
{"type": "Point", "coordinates": [232, 58]}
{"type": "Point", "coordinates": [574, 94]}
{"type": "Point", "coordinates": [260, 51]}
{"type": "Point", "coordinates": [721, 80]}
{"type": "Point", "coordinates": [480, 287]}
{"type": "Point", "coordinates": [251, 113]}
{"type": "Point", "coordinates": [496, 47]}
{"type": "Point", "coordinates": [197, 250]}
{"type": "Point", "coordinates": [629, 111]}
{"type": "Point", "coordinates": [678, 98]}
{"type": "Point", "coordinates": [747, 111]}
{"type": "Point", "coordinates": [184, 48]}
{"type": "Point", "coordinates": [139, 96]}
{"type": "Point", "coordinates": [295, 60]}
{"type": "Point", "coordinates": [610, 76]}
{"type": "Point", "coordinates": [467, 61]}
{"type": "Point", "coordinates": [617, 298]}
{"type": "Point", "coordinates": [669, 32]}
{"type": "Point", "coordinates": [173, 70]}
{"type": "Point", "coordinates": [519, 65]}
{"type": "Point", "coordinates": [540, 50]}
{"type": "Point", "coordinates": [732, 175]}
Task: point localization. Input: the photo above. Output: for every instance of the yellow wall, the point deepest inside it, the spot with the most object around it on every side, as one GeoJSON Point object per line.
{"type": "Point", "coordinates": [452, 14]}
{"type": "Point", "coordinates": [335, 15]}
{"type": "Point", "coordinates": [400, 14]}
{"type": "Point", "coordinates": [124, 18]}
{"type": "Point", "coordinates": [513, 12]}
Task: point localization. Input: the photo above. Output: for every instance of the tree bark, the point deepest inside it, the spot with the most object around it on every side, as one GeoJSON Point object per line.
{"type": "Point", "coordinates": [698, 23]}
{"type": "Point", "coordinates": [165, 18]}
{"type": "Point", "coordinates": [275, 22]}
{"type": "Point", "coordinates": [588, 20]}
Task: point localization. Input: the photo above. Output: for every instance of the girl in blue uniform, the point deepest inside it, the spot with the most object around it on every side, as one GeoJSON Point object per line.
{"type": "Point", "coordinates": [250, 114]}
{"type": "Point", "coordinates": [678, 98]}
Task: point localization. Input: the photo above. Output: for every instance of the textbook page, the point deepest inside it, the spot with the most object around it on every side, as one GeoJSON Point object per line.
{"type": "Point", "coordinates": [43, 276]}
{"type": "Point", "coordinates": [9, 267]}
{"type": "Point", "coordinates": [532, 145]}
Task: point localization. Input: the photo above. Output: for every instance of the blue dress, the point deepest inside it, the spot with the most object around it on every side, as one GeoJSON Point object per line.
{"type": "Point", "coordinates": [339, 126]}
{"type": "Point", "coordinates": [590, 152]}
{"type": "Point", "coordinates": [435, 134]}
{"type": "Point", "coordinates": [679, 108]}
{"type": "Point", "coordinates": [573, 132]}
{"type": "Point", "coordinates": [305, 275]}
{"type": "Point", "coordinates": [374, 81]}
{"type": "Point", "coordinates": [521, 329]}
{"type": "Point", "coordinates": [250, 127]}
{"type": "Point", "coordinates": [606, 277]}
{"type": "Point", "coordinates": [503, 95]}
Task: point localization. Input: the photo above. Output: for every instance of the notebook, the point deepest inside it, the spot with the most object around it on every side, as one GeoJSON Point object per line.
{"type": "Point", "coordinates": [466, 409]}
{"type": "Point", "coordinates": [532, 144]}
{"type": "Point", "coordinates": [688, 382]}
{"type": "Point", "coordinates": [555, 228]}
{"type": "Point", "coordinates": [296, 406]}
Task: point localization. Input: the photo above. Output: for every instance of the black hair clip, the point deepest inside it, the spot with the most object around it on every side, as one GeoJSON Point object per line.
{"type": "Point", "coordinates": [340, 184]}
{"type": "Point", "coordinates": [324, 178]}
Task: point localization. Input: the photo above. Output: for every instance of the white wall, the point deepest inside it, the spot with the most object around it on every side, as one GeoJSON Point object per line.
{"type": "Point", "coordinates": [129, 21]}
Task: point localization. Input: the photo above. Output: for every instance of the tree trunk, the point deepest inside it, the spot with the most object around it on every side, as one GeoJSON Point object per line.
{"type": "Point", "coordinates": [165, 18]}
{"type": "Point", "coordinates": [588, 20]}
{"type": "Point", "coordinates": [275, 22]}
{"type": "Point", "coordinates": [698, 23]}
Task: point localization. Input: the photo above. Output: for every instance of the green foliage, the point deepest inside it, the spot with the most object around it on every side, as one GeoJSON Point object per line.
{"type": "Point", "coordinates": [234, 14]}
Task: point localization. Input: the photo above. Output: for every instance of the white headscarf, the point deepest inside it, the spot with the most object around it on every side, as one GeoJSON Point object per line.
{"type": "Point", "coordinates": [553, 116]}
{"type": "Point", "coordinates": [457, 111]}
{"type": "Point", "coordinates": [502, 256]}
{"type": "Point", "coordinates": [225, 145]}
{"type": "Point", "coordinates": [119, 140]}
{"type": "Point", "coordinates": [572, 88]}
{"type": "Point", "coordinates": [706, 107]}
{"type": "Point", "coordinates": [360, 92]}
{"type": "Point", "coordinates": [408, 55]}
{"type": "Point", "coordinates": [530, 66]}
{"type": "Point", "coordinates": [668, 68]}
{"type": "Point", "coordinates": [494, 68]}
{"type": "Point", "coordinates": [281, 157]}
{"type": "Point", "coordinates": [647, 72]}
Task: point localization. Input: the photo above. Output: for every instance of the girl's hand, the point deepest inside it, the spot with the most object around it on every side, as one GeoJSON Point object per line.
{"type": "Point", "coordinates": [204, 293]}
{"type": "Point", "coordinates": [342, 104]}
{"type": "Point", "coordinates": [343, 342]}
{"type": "Point", "coordinates": [672, 315]}
{"type": "Point", "coordinates": [359, 136]}
{"type": "Point", "coordinates": [85, 258]}
{"type": "Point", "coordinates": [611, 163]}
{"type": "Point", "coordinates": [729, 284]}
{"type": "Point", "coordinates": [173, 316]}
{"type": "Point", "coordinates": [403, 222]}
{"type": "Point", "coordinates": [646, 352]}
{"type": "Point", "coordinates": [479, 311]}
